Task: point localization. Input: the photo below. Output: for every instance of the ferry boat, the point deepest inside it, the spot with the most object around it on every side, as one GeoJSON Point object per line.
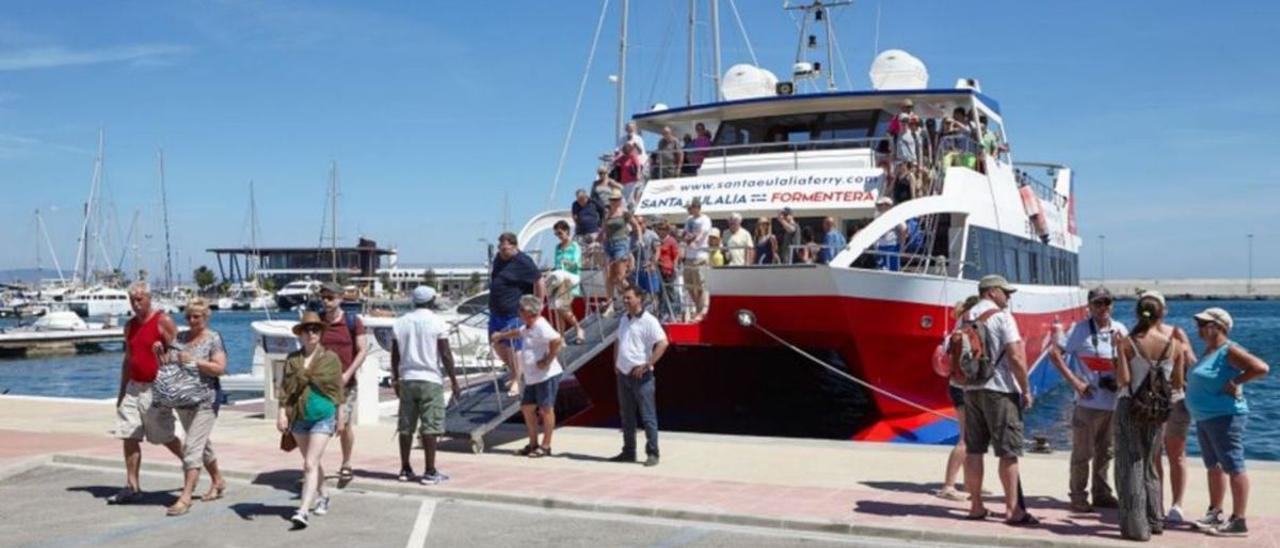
{"type": "Point", "coordinates": [823, 155]}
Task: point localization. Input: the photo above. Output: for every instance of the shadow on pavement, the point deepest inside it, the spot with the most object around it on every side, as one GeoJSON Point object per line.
{"type": "Point", "coordinates": [147, 498]}
{"type": "Point", "coordinates": [882, 508]}
{"type": "Point", "coordinates": [250, 510]}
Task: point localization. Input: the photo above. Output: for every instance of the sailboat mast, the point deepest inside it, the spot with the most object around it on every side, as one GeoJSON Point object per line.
{"type": "Point", "coordinates": [622, 70]}
{"type": "Point", "coordinates": [253, 232]}
{"type": "Point", "coordinates": [82, 249]}
{"type": "Point", "coordinates": [164, 207]}
{"type": "Point", "coordinates": [693, 22]}
{"type": "Point", "coordinates": [49, 242]}
{"type": "Point", "coordinates": [715, 46]}
{"type": "Point", "coordinates": [333, 224]}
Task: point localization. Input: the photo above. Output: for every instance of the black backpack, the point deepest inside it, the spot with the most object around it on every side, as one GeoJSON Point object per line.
{"type": "Point", "coordinates": [1152, 402]}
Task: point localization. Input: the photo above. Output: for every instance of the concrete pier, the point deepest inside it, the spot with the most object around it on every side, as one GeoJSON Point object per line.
{"type": "Point", "coordinates": [56, 343]}
{"type": "Point", "coordinates": [797, 485]}
{"type": "Point", "coordinates": [1193, 288]}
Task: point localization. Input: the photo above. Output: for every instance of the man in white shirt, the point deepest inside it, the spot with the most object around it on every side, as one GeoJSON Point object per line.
{"type": "Point", "coordinates": [697, 230]}
{"type": "Point", "coordinates": [741, 245]}
{"type": "Point", "coordinates": [420, 348]}
{"type": "Point", "coordinates": [540, 366]}
{"type": "Point", "coordinates": [632, 135]}
{"type": "Point", "coordinates": [1092, 343]}
{"type": "Point", "coordinates": [641, 343]}
{"type": "Point", "coordinates": [993, 409]}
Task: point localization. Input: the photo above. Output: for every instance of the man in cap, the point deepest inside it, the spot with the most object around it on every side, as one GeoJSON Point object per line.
{"type": "Point", "coordinates": [1093, 344]}
{"type": "Point", "coordinates": [697, 231]}
{"type": "Point", "coordinates": [420, 349]}
{"type": "Point", "coordinates": [345, 335]}
{"type": "Point", "coordinates": [993, 409]}
{"type": "Point", "coordinates": [899, 122]}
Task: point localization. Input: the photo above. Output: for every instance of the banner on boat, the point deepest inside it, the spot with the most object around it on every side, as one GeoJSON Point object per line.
{"type": "Point", "coordinates": [771, 191]}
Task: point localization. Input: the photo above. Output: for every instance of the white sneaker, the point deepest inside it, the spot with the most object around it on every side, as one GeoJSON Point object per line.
{"type": "Point", "coordinates": [1174, 516]}
{"type": "Point", "coordinates": [321, 507]}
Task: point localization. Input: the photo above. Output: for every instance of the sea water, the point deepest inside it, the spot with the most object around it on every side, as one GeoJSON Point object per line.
{"type": "Point", "coordinates": [1257, 328]}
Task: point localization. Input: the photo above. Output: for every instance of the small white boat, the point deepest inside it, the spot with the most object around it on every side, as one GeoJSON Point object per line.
{"type": "Point", "coordinates": [296, 293]}
{"type": "Point", "coordinates": [99, 301]}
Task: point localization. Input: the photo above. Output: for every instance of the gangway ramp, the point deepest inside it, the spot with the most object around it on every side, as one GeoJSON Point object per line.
{"type": "Point", "coordinates": [481, 409]}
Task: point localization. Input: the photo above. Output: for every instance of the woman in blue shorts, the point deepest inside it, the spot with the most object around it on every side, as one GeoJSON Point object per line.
{"type": "Point", "coordinates": [1216, 401]}
{"type": "Point", "coordinates": [616, 235]}
{"type": "Point", "coordinates": [311, 410]}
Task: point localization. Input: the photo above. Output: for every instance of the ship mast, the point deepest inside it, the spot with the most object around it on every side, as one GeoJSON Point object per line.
{"type": "Point", "coordinates": [622, 71]}
{"type": "Point", "coordinates": [164, 207]}
{"type": "Point", "coordinates": [333, 224]}
{"type": "Point", "coordinates": [48, 242]}
{"type": "Point", "coordinates": [82, 249]}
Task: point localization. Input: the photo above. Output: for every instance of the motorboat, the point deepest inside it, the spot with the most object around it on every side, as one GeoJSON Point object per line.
{"type": "Point", "coordinates": [296, 293]}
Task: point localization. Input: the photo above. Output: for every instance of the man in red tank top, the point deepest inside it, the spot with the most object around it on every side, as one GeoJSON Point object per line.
{"type": "Point", "coordinates": [146, 333]}
{"type": "Point", "coordinates": [349, 342]}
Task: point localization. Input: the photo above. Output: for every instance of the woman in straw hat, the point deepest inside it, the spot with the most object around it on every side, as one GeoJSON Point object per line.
{"type": "Point", "coordinates": [311, 409]}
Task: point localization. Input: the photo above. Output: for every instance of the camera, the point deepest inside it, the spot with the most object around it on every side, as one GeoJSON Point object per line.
{"type": "Point", "coordinates": [1108, 383]}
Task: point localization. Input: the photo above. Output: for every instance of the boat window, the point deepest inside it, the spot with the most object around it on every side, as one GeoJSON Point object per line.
{"type": "Point", "coordinates": [474, 305]}
{"type": "Point", "coordinates": [1020, 260]}
{"type": "Point", "coordinates": [792, 128]}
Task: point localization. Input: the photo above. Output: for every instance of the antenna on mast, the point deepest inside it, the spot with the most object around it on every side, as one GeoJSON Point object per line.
{"type": "Point", "coordinates": [819, 14]}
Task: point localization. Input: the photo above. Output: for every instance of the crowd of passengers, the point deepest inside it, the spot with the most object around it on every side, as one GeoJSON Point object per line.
{"type": "Point", "coordinates": [913, 150]}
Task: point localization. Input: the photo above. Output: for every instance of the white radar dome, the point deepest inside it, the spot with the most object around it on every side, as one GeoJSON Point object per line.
{"type": "Point", "coordinates": [896, 69]}
{"type": "Point", "coordinates": [747, 81]}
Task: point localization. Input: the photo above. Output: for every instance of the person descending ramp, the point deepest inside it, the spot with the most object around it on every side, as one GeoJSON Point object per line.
{"type": "Point", "coordinates": [480, 410]}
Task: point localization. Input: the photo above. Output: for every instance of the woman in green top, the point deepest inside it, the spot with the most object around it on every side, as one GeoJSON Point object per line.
{"type": "Point", "coordinates": [311, 409]}
{"type": "Point", "coordinates": [565, 272]}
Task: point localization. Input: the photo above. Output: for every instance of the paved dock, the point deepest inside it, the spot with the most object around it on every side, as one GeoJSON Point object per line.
{"type": "Point", "coordinates": [843, 490]}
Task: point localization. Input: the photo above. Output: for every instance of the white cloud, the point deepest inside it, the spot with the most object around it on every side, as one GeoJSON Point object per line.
{"type": "Point", "coordinates": [58, 56]}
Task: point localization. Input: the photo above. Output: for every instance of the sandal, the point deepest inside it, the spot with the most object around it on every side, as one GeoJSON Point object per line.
{"type": "Point", "coordinates": [215, 493]}
{"type": "Point", "coordinates": [178, 508]}
{"type": "Point", "coordinates": [950, 494]}
{"type": "Point", "coordinates": [979, 516]}
{"type": "Point", "coordinates": [1025, 520]}
{"type": "Point", "coordinates": [530, 448]}
{"type": "Point", "coordinates": [345, 475]}
{"type": "Point", "coordinates": [540, 452]}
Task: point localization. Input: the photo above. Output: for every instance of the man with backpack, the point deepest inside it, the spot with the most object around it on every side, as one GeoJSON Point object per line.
{"type": "Point", "coordinates": [988, 351]}
{"type": "Point", "coordinates": [344, 335]}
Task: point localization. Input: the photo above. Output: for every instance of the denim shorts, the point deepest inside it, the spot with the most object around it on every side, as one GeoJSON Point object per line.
{"type": "Point", "coordinates": [1222, 442]}
{"type": "Point", "coordinates": [543, 394]}
{"type": "Point", "coordinates": [505, 323]}
{"type": "Point", "coordinates": [323, 426]}
{"type": "Point", "coordinates": [618, 249]}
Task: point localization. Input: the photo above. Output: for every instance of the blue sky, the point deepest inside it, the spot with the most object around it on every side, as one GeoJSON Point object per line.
{"type": "Point", "coordinates": [435, 111]}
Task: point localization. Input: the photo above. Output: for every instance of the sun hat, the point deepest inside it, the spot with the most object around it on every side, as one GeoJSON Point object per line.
{"type": "Point", "coordinates": [1216, 315]}
{"type": "Point", "coordinates": [884, 200]}
{"type": "Point", "coordinates": [1100, 293]}
{"type": "Point", "coordinates": [713, 233]}
{"type": "Point", "coordinates": [908, 102]}
{"type": "Point", "coordinates": [423, 294]}
{"type": "Point", "coordinates": [1152, 294]}
{"type": "Point", "coordinates": [995, 281]}
{"type": "Point", "coordinates": [309, 318]}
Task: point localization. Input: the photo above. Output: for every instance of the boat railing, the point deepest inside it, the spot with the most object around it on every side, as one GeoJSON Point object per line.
{"type": "Point", "coordinates": [1045, 191]}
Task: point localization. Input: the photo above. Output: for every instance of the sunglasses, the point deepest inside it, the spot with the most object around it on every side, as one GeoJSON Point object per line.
{"type": "Point", "coordinates": [331, 297]}
{"type": "Point", "coordinates": [1102, 302]}
{"type": "Point", "coordinates": [194, 317]}
{"type": "Point", "coordinates": [313, 329]}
